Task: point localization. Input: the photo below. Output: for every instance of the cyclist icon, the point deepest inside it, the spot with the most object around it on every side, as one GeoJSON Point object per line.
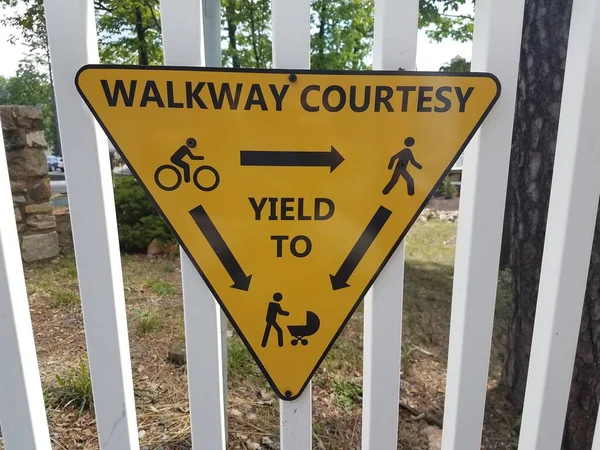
{"type": "Point", "coordinates": [179, 165]}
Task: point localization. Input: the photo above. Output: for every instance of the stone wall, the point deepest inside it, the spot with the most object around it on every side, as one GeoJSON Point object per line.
{"type": "Point", "coordinates": [28, 169]}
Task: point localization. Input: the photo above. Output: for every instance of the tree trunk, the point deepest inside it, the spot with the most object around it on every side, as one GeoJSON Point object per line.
{"type": "Point", "coordinates": [140, 31]}
{"type": "Point", "coordinates": [230, 17]}
{"type": "Point", "coordinates": [539, 89]}
{"type": "Point", "coordinates": [543, 54]}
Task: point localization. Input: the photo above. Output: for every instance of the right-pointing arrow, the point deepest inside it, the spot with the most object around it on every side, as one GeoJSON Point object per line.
{"type": "Point", "coordinates": [291, 158]}
{"type": "Point", "coordinates": [241, 281]}
{"type": "Point", "coordinates": [340, 279]}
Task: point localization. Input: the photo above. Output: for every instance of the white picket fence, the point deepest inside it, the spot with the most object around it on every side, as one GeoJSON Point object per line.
{"type": "Point", "coordinates": [187, 25]}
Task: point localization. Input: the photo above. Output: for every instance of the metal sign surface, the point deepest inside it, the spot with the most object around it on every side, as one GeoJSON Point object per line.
{"type": "Point", "coordinates": [289, 190]}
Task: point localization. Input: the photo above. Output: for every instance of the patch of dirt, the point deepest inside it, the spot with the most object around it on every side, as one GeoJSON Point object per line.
{"type": "Point", "coordinates": [438, 203]}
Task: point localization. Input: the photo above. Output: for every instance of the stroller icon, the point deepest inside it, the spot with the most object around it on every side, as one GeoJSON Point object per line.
{"type": "Point", "coordinates": [299, 332]}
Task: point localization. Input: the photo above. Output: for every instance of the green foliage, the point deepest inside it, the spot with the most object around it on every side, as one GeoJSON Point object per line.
{"type": "Point", "coordinates": [138, 221]}
{"type": "Point", "coordinates": [63, 298]}
{"type": "Point", "coordinates": [74, 388]}
{"type": "Point", "coordinates": [30, 87]}
{"type": "Point", "coordinates": [347, 393]}
{"type": "Point", "coordinates": [161, 287]}
{"type": "Point", "coordinates": [239, 361]}
{"type": "Point", "coordinates": [147, 320]}
{"type": "Point", "coordinates": [247, 30]}
{"type": "Point", "coordinates": [344, 34]}
{"type": "Point", "coordinates": [448, 188]}
{"type": "Point", "coordinates": [440, 19]}
{"type": "Point", "coordinates": [129, 31]}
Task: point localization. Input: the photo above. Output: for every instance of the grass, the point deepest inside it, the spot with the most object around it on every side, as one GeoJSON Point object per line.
{"type": "Point", "coordinates": [239, 361]}
{"type": "Point", "coordinates": [63, 298]}
{"type": "Point", "coordinates": [74, 388]}
{"type": "Point", "coordinates": [147, 320]}
{"type": "Point", "coordinates": [160, 287]}
{"type": "Point", "coordinates": [348, 394]}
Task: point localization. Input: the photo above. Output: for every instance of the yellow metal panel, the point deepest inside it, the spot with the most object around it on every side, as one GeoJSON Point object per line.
{"type": "Point", "coordinates": [288, 190]}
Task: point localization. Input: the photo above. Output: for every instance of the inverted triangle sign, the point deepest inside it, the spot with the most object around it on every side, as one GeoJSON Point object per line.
{"type": "Point", "coordinates": [288, 193]}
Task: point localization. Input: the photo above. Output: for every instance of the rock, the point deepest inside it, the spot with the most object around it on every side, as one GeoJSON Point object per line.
{"type": "Point", "coordinates": [252, 445]}
{"type": "Point", "coordinates": [19, 199]}
{"type": "Point", "coordinates": [8, 119]}
{"type": "Point", "coordinates": [39, 246]}
{"type": "Point", "coordinates": [18, 187]}
{"type": "Point", "coordinates": [141, 434]}
{"type": "Point", "coordinates": [235, 412]}
{"type": "Point", "coordinates": [251, 417]}
{"type": "Point", "coordinates": [29, 117]}
{"type": "Point", "coordinates": [13, 141]}
{"type": "Point", "coordinates": [41, 192]}
{"type": "Point", "coordinates": [267, 442]}
{"type": "Point", "coordinates": [42, 208]}
{"type": "Point", "coordinates": [41, 222]}
{"type": "Point", "coordinates": [18, 216]}
{"type": "Point", "coordinates": [36, 139]}
{"type": "Point", "coordinates": [21, 227]}
{"type": "Point", "coordinates": [177, 354]}
{"type": "Point", "coordinates": [434, 436]}
{"type": "Point", "coordinates": [27, 163]}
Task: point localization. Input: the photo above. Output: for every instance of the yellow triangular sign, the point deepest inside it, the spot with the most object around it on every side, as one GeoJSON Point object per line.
{"type": "Point", "coordinates": [289, 190]}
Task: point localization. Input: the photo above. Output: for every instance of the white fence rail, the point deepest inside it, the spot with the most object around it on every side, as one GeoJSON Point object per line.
{"type": "Point", "coordinates": [191, 33]}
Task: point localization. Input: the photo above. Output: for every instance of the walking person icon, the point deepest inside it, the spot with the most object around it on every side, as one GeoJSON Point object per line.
{"type": "Point", "coordinates": [273, 311]}
{"type": "Point", "coordinates": [404, 157]}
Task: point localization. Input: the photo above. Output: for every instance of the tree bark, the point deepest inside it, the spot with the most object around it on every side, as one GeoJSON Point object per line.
{"type": "Point", "coordinates": [539, 89]}
{"type": "Point", "coordinates": [543, 54]}
{"type": "Point", "coordinates": [230, 17]}
{"type": "Point", "coordinates": [140, 31]}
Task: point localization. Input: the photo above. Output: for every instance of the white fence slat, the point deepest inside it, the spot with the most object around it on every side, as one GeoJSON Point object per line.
{"type": "Point", "coordinates": [569, 235]}
{"type": "Point", "coordinates": [291, 50]}
{"type": "Point", "coordinates": [496, 49]}
{"type": "Point", "coordinates": [295, 422]}
{"type": "Point", "coordinates": [291, 34]}
{"type": "Point", "coordinates": [183, 45]}
{"type": "Point", "coordinates": [73, 43]}
{"type": "Point", "coordinates": [395, 46]}
{"type": "Point", "coordinates": [22, 410]}
{"type": "Point", "coordinates": [211, 24]}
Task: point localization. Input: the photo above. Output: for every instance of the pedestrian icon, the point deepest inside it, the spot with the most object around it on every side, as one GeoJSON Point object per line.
{"type": "Point", "coordinates": [273, 311]}
{"type": "Point", "coordinates": [180, 165]}
{"type": "Point", "coordinates": [404, 157]}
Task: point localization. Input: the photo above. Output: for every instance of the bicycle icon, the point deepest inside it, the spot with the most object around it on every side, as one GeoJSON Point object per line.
{"type": "Point", "coordinates": [179, 166]}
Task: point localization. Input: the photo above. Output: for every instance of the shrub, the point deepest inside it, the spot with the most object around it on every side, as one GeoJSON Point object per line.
{"type": "Point", "coordinates": [148, 321]}
{"type": "Point", "coordinates": [138, 221]}
{"type": "Point", "coordinates": [448, 188]}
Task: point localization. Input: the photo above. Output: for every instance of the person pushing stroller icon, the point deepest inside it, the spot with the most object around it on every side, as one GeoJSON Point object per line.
{"type": "Point", "coordinates": [403, 157]}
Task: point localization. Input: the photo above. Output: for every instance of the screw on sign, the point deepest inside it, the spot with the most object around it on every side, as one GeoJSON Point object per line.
{"type": "Point", "coordinates": [291, 190]}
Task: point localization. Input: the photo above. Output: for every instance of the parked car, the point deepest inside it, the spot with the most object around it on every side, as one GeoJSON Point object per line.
{"type": "Point", "coordinates": [55, 163]}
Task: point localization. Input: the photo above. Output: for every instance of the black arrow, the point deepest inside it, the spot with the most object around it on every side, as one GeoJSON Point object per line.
{"type": "Point", "coordinates": [340, 279]}
{"type": "Point", "coordinates": [240, 279]}
{"type": "Point", "coordinates": [330, 159]}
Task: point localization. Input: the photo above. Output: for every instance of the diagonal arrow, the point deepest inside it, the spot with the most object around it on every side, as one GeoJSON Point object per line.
{"type": "Point", "coordinates": [340, 279]}
{"type": "Point", "coordinates": [240, 279]}
{"type": "Point", "coordinates": [291, 158]}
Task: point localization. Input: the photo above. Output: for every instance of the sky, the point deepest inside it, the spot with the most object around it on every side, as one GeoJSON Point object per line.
{"type": "Point", "coordinates": [430, 55]}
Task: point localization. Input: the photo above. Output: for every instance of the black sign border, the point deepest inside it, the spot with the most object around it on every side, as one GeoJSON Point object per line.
{"type": "Point", "coordinates": [288, 73]}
